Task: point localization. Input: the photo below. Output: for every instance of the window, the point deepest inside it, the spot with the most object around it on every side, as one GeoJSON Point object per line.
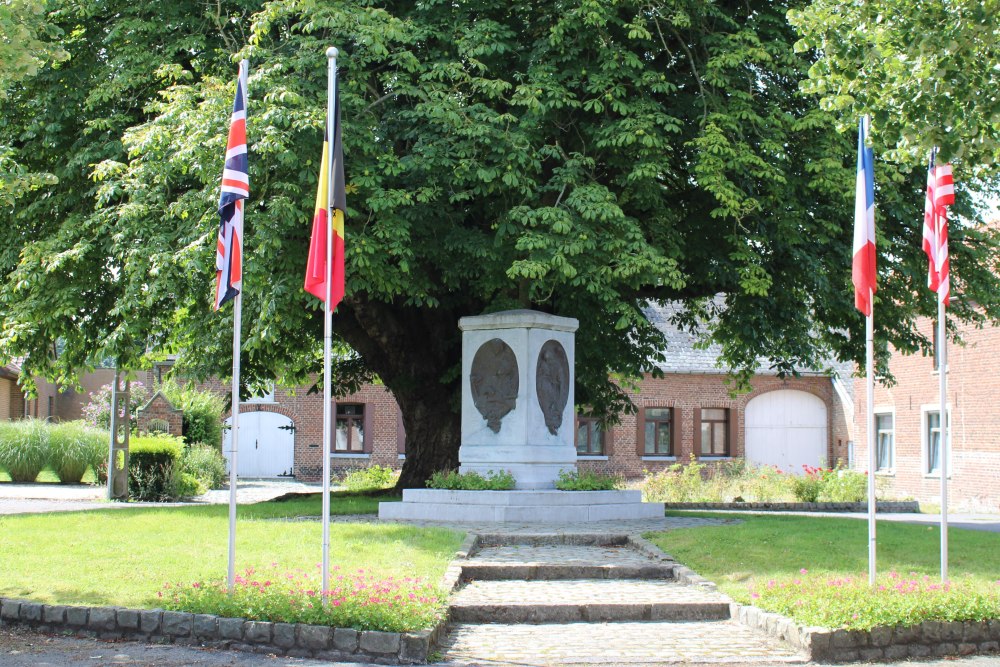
{"type": "Point", "coordinates": [266, 396]}
{"type": "Point", "coordinates": [932, 442]}
{"type": "Point", "coordinates": [885, 450]}
{"type": "Point", "coordinates": [657, 427]}
{"type": "Point", "coordinates": [589, 437]}
{"type": "Point", "coordinates": [350, 428]}
{"type": "Point", "coordinates": [714, 432]}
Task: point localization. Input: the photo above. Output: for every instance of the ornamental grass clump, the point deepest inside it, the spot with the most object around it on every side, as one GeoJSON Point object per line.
{"type": "Point", "coordinates": [850, 603]}
{"type": "Point", "coordinates": [357, 599]}
{"type": "Point", "coordinates": [74, 447]}
{"type": "Point", "coordinates": [24, 448]}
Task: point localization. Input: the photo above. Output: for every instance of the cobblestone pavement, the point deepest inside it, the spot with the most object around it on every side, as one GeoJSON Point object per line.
{"type": "Point", "coordinates": [613, 643]}
{"type": "Point", "coordinates": [582, 591]}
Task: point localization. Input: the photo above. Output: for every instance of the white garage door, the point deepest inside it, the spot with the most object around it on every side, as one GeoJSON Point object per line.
{"type": "Point", "coordinates": [266, 445]}
{"type": "Point", "coordinates": [787, 429]}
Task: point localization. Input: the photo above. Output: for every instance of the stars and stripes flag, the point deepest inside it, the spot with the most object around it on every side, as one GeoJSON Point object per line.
{"type": "Point", "coordinates": [235, 188]}
{"type": "Point", "coordinates": [863, 265]}
{"type": "Point", "coordinates": [316, 269]}
{"type": "Point", "coordinates": [940, 195]}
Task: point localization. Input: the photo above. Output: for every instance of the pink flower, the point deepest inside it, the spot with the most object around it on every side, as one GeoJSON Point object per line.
{"type": "Point", "coordinates": [755, 595]}
{"type": "Point", "coordinates": [196, 585]}
{"type": "Point", "coordinates": [803, 571]}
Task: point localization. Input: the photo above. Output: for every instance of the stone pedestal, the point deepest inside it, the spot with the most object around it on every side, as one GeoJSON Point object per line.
{"type": "Point", "coordinates": [517, 396]}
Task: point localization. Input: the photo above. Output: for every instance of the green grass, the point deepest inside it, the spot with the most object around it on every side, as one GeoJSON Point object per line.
{"type": "Point", "coordinates": [761, 559]}
{"type": "Point", "coordinates": [125, 556]}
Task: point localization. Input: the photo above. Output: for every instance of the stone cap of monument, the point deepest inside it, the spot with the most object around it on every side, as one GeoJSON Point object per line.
{"type": "Point", "coordinates": [519, 319]}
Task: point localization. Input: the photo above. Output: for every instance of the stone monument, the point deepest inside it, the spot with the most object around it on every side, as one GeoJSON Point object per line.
{"type": "Point", "coordinates": [517, 396]}
{"type": "Point", "coordinates": [518, 416]}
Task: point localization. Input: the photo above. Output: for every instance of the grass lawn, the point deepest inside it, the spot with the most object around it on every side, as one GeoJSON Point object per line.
{"type": "Point", "coordinates": [125, 556]}
{"type": "Point", "coordinates": [761, 560]}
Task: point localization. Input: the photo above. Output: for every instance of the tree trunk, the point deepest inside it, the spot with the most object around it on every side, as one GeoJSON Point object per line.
{"type": "Point", "coordinates": [417, 353]}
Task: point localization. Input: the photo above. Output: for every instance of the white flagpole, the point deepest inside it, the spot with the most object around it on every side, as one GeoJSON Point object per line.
{"type": "Point", "coordinates": [870, 426]}
{"type": "Point", "coordinates": [331, 57]}
{"type": "Point", "coordinates": [235, 401]}
{"type": "Point", "coordinates": [945, 430]}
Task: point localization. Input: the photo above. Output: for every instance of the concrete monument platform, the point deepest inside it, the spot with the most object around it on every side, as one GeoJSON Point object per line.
{"type": "Point", "coordinates": [534, 506]}
{"type": "Point", "coordinates": [518, 416]}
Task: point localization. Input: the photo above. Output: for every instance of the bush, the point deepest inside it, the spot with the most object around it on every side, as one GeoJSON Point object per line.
{"type": "Point", "coordinates": [586, 480]}
{"type": "Point", "coordinates": [97, 412]}
{"type": "Point", "coordinates": [152, 461]}
{"type": "Point", "coordinates": [472, 481]}
{"type": "Point", "coordinates": [202, 412]}
{"type": "Point", "coordinates": [24, 448]}
{"type": "Point", "coordinates": [184, 485]}
{"type": "Point", "coordinates": [205, 464]}
{"type": "Point", "coordinates": [677, 484]}
{"type": "Point", "coordinates": [74, 447]}
{"type": "Point", "coordinates": [845, 486]}
{"type": "Point", "coordinates": [356, 599]}
{"type": "Point", "coordinates": [372, 478]}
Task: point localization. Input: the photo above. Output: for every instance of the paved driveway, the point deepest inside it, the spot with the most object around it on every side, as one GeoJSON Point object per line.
{"type": "Point", "coordinates": [33, 498]}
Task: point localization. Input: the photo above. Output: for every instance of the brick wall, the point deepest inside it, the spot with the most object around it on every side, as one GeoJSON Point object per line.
{"type": "Point", "coordinates": [9, 409]}
{"type": "Point", "coordinates": [685, 393]}
{"type": "Point", "coordinates": [973, 387]}
{"type": "Point", "coordinates": [69, 402]}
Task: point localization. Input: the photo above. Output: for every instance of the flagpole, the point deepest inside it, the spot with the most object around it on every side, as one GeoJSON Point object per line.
{"type": "Point", "coordinates": [235, 401]}
{"type": "Point", "coordinates": [945, 431]}
{"type": "Point", "coordinates": [869, 424]}
{"type": "Point", "coordinates": [331, 57]}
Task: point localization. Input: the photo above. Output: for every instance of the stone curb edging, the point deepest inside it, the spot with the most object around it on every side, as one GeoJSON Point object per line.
{"type": "Point", "coordinates": [298, 640]}
{"type": "Point", "coordinates": [903, 506]}
{"type": "Point", "coordinates": [930, 638]}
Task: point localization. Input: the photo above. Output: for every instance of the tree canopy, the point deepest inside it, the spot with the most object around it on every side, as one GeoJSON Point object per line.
{"type": "Point", "coordinates": [575, 157]}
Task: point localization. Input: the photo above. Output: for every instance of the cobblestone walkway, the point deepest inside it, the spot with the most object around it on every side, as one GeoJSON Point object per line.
{"type": "Point", "coordinates": [526, 605]}
{"type": "Point", "coordinates": [613, 643]}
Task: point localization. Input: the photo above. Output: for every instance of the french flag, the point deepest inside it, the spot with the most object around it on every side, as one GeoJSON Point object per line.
{"type": "Point", "coordinates": [863, 265]}
{"type": "Point", "coordinates": [235, 188]}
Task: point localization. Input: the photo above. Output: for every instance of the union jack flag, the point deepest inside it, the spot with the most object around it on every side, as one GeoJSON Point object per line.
{"type": "Point", "coordinates": [235, 188]}
{"type": "Point", "coordinates": [940, 195]}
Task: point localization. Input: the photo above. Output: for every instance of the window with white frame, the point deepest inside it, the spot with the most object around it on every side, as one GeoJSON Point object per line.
{"type": "Point", "coordinates": [932, 441]}
{"type": "Point", "coordinates": [885, 447]}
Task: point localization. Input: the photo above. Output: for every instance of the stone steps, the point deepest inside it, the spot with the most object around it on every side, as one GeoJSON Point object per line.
{"type": "Point", "coordinates": [573, 600]}
{"type": "Point", "coordinates": [588, 599]}
{"type": "Point", "coordinates": [551, 562]}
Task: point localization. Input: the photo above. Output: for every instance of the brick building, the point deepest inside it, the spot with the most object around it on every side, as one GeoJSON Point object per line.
{"type": "Point", "coordinates": [907, 423]}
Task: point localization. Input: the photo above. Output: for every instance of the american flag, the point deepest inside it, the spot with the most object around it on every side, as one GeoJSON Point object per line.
{"type": "Point", "coordinates": [235, 188]}
{"type": "Point", "coordinates": [940, 195]}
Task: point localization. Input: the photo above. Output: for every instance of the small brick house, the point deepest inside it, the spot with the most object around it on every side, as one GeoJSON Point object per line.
{"type": "Point", "coordinates": [907, 421]}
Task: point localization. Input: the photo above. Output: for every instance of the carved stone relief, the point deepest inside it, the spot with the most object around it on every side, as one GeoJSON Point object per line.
{"type": "Point", "coordinates": [494, 381]}
{"type": "Point", "coordinates": [552, 383]}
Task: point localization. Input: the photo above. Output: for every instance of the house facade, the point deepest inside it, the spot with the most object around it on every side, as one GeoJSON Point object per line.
{"type": "Point", "coordinates": [907, 423]}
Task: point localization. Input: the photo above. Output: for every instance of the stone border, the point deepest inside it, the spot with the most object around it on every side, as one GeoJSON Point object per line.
{"type": "Point", "coordinates": [298, 640]}
{"type": "Point", "coordinates": [930, 638]}
{"type": "Point", "coordinates": [905, 506]}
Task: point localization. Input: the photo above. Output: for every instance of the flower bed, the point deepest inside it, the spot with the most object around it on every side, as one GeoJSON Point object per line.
{"type": "Point", "coordinates": [356, 599]}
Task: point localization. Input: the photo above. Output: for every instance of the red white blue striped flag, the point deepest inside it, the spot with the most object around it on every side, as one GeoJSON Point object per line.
{"type": "Point", "coordinates": [940, 195]}
{"type": "Point", "coordinates": [863, 273]}
{"type": "Point", "coordinates": [235, 188]}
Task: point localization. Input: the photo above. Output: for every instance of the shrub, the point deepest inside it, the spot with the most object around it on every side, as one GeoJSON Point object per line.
{"type": "Point", "coordinates": [24, 448]}
{"type": "Point", "coordinates": [806, 488]}
{"type": "Point", "coordinates": [586, 480]}
{"type": "Point", "coordinates": [845, 486]}
{"type": "Point", "coordinates": [202, 412]}
{"type": "Point", "coordinates": [183, 485]}
{"type": "Point", "coordinates": [74, 447]}
{"type": "Point", "coordinates": [677, 484]}
{"type": "Point", "coordinates": [371, 478]}
{"type": "Point", "coordinates": [97, 412]}
{"type": "Point", "coordinates": [472, 480]}
{"type": "Point", "coordinates": [355, 600]}
{"type": "Point", "coordinates": [151, 467]}
{"type": "Point", "coordinates": [205, 464]}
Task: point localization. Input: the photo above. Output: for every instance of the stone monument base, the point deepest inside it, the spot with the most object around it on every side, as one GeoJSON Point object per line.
{"type": "Point", "coordinates": [538, 506]}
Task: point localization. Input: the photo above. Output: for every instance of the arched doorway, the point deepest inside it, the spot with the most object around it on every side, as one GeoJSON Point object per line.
{"type": "Point", "coordinates": [786, 429]}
